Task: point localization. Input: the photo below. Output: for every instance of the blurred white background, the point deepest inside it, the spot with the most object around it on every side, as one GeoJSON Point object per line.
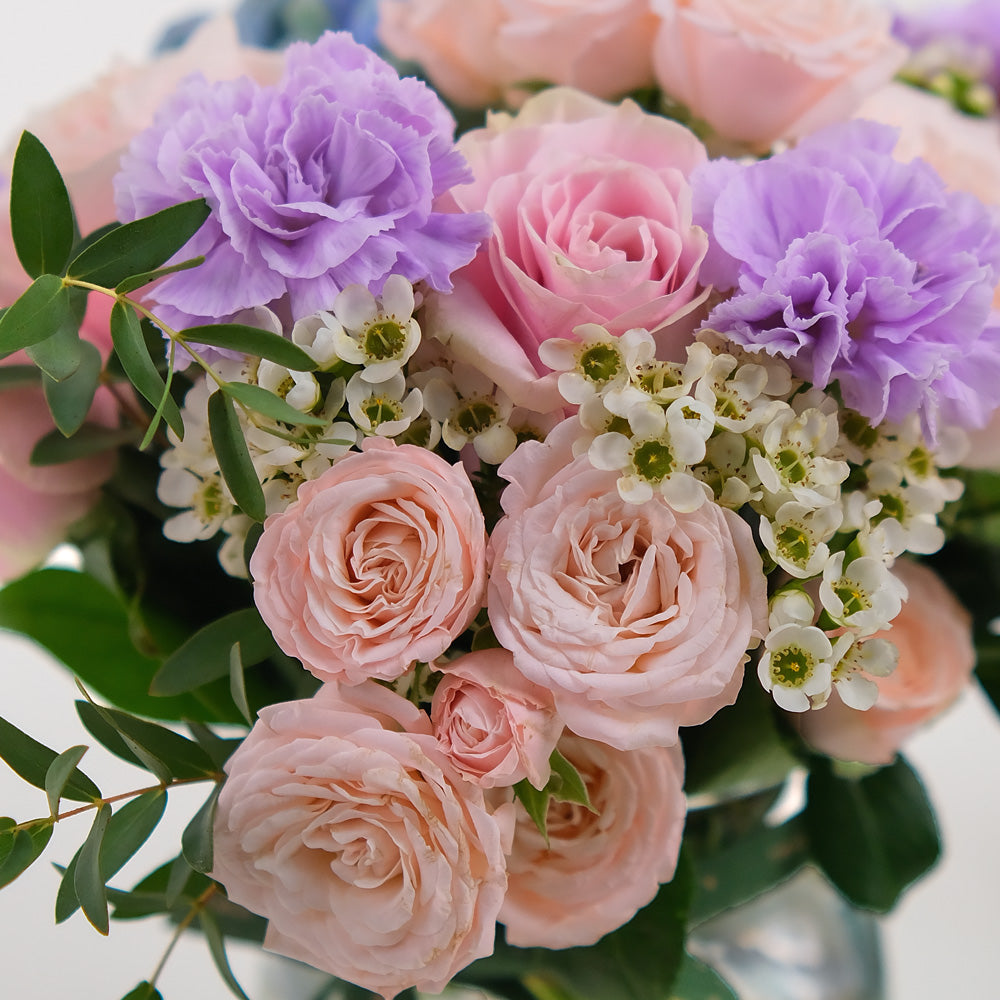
{"type": "Point", "coordinates": [941, 943]}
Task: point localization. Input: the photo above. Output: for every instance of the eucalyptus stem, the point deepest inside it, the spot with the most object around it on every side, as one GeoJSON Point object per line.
{"type": "Point", "coordinates": [182, 925]}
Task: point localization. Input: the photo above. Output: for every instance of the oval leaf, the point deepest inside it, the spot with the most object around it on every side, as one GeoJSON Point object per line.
{"type": "Point", "coordinates": [196, 840]}
{"type": "Point", "coordinates": [234, 457]}
{"type": "Point", "coordinates": [41, 216]}
{"type": "Point", "coordinates": [270, 405]}
{"type": "Point", "coordinates": [144, 991]}
{"type": "Point", "coordinates": [139, 247]}
{"type": "Point", "coordinates": [237, 683]}
{"type": "Point", "coordinates": [90, 439]}
{"type": "Point", "coordinates": [138, 280]}
{"type": "Point", "coordinates": [251, 340]}
{"type": "Point", "coordinates": [59, 773]}
{"type": "Point", "coordinates": [32, 760]}
{"type": "Point", "coordinates": [60, 355]}
{"type": "Point", "coordinates": [40, 312]}
{"type": "Point", "coordinates": [26, 848]}
{"type": "Point", "coordinates": [88, 881]}
{"type": "Point", "coordinates": [70, 399]}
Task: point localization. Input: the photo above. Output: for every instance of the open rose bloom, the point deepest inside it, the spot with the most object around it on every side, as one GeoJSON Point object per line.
{"type": "Point", "coordinates": [499, 508]}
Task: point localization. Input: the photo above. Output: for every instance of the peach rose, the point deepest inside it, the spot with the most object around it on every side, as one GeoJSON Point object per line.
{"type": "Point", "coordinates": [599, 868]}
{"type": "Point", "coordinates": [379, 562]}
{"type": "Point", "coordinates": [343, 823]}
{"type": "Point", "coordinates": [773, 69]}
{"type": "Point", "coordinates": [495, 725]}
{"type": "Point", "coordinates": [636, 617]}
{"type": "Point", "coordinates": [592, 224]}
{"type": "Point", "coordinates": [936, 657]}
{"type": "Point", "coordinates": [477, 54]}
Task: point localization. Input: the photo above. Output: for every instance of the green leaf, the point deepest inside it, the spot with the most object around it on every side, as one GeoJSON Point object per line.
{"type": "Point", "coordinates": [133, 353]}
{"type": "Point", "coordinates": [567, 785]}
{"type": "Point", "coordinates": [139, 247]}
{"type": "Point", "coordinates": [19, 849]}
{"type": "Point", "coordinates": [206, 655]}
{"type": "Point", "coordinates": [70, 399]}
{"type": "Point", "coordinates": [234, 457]}
{"type": "Point", "coordinates": [219, 749]}
{"type": "Point", "coordinates": [13, 376]}
{"type": "Point", "coordinates": [536, 804]}
{"type": "Point", "coordinates": [872, 836]}
{"type": "Point", "coordinates": [41, 216]}
{"type": "Point", "coordinates": [217, 946]}
{"type": "Point", "coordinates": [264, 401]}
{"type": "Point", "coordinates": [32, 760]}
{"type": "Point", "coordinates": [59, 774]}
{"type": "Point", "coordinates": [138, 280]}
{"type": "Point", "coordinates": [128, 829]}
{"type": "Point", "coordinates": [90, 439]}
{"type": "Point", "coordinates": [196, 841]}
{"type": "Point", "coordinates": [697, 981]}
{"type": "Point", "coordinates": [251, 340]}
{"type": "Point", "coordinates": [42, 310]}
{"type": "Point", "coordinates": [60, 355]}
{"type": "Point", "coordinates": [144, 991]}
{"type": "Point", "coordinates": [86, 627]}
{"type": "Point", "coordinates": [238, 685]}
{"type": "Point", "coordinates": [88, 880]}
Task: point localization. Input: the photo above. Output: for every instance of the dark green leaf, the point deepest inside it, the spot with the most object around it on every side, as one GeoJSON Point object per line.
{"type": "Point", "coordinates": [149, 896]}
{"type": "Point", "coordinates": [180, 875]}
{"type": "Point", "coordinates": [264, 401]}
{"type": "Point", "coordinates": [217, 946]}
{"type": "Point", "coordinates": [238, 685]}
{"type": "Point", "coordinates": [70, 400]}
{"type": "Point", "coordinates": [12, 376]}
{"type": "Point", "coordinates": [59, 773]}
{"type": "Point", "coordinates": [90, 439]}
{"type": "Point", "coordinates": [165, 400]}
{"type": "Point", "coordinates": [750, 865]}
{"type": "Point", "coordinates": [196, 841]}
{"type": "Point", "coordinates": [32, 760]}
{"type": "Point", "coordinates": [697, 981]}
{"type": "Point", "coordinates": [19, 849]}
{"type": "Point", "coordinates": [872, 836]}
{"type": "Point", "coordinates": [206, 655]}
{"type": "Point", "coordinates": [105, 733]}
{"type": "Point", "coordinates": [251, 340]}
{"type": "Point", "coordinates": [60, 355]}
{"type": "Point", "coordinates": [138, 280]}
{"type": "Point", "coordinates": [87, 628]}
{"type": "Point", "coordinates": [219, 749]}
{"type": "Point", "coordinates": [139, 247]}
{"type": "Point", "coordinates": [41, 216]}
{"type": "Point", "coordinates": [144, 991]}
{"type": "Point", "coordinates": [88, 881]}
{"type": "Point", "coordinates": [40, 312]}
{"type": "Point", "coordinates": [536, 804]}
{"type": "Point", "coordinates": [133, 353]}
{"type": "Point", "coordinates": [234, 457]}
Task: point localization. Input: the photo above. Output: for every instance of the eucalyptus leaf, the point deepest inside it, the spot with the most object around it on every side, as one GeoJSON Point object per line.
{"type": "Point", "coordinates": [872, 836]}
{"type": "Point", "coordinates": [144, 991]}
{"type": "Point", "coordinates": [60, 355]}
{"type": "Point", "coordinates": [234, 456]}
{"type": "Point", "coordinates": [264, 401]}
{"type": "Point", "coordinates": [41, 215]}
{"type": "Point", "coordinates": [237, 683]}
{"type": "Point", "coordinates": [32, 760]}
{"type": "Point", "coordinates": [251, 340]}
{"type": "Point", "coordinates": [59, 774]}
{"type": "Point", "coordinates": [89, 440]}
{"type": "Point", "coordinates": [139, 247]}
{"type": "Point", "coordinates": [138, 280]}
{"type": "Point", "coordinates": [133, 353]}
{"type": "Point", "coordinates": [13, 376]}
{"type": "Point", "coordinates": [217, 947]}
{"type": "Point", "coordinates": [219, 749]}
{"type": "Point", "coordinates": [196, 840]}
{"type": "Point", "coordinates": [88, 880]}
{"type": "Point", "coordinates": [25, 848]}
{"type": "Point", "coordinates": [41, 311]}
{"type": "Point", "coordinates": [697, 981]}
{"type": "Point", "coordinates": [70, 399]}
{"type": "Point", "coordinates": [205, 656]}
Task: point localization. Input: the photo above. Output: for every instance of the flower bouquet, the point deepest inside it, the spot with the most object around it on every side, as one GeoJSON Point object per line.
{"type": "Point", "coordinates": [501, 489]}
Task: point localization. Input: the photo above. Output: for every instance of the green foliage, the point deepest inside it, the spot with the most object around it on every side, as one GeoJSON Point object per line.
{"type": "Point", "coordinates": [41, 312]}
{"type": "Point", "coordinates": [138, 247]}
{"type": "Point", "coordinates": [217, 947]}
{"type": "Point", "coordinates": [697, 981]}
{"type": "Point", "coordinates": [70, 398]}
{"type": "Point", "coordinates": [144, 991]}
{"type": "Point", "coordinates": [20, 848]}
{"type": "Point", "coordinates": [41, 216]}
{"type": "Point", "coordinates": [33, 761]}
{"type": "Point", "coordinates": [135, 281]}
{"type": "Point", "coordinates": [564, 785]}
{"type": "Point", "coordinates": [196, 841]}
{"type": "Point", "coordinates": [872, 836]}
{"type": "Point", "coordinates": [62, 353]}
{"type": "Point", "coordinates": [60, 774]}
{"type": "Point", "coordinates": [89, 440]}
{"type": "Point", "coordinates": [251, 340]}
{"type": "Point", "coordinates": [88, 881]}
{"type": "Point", "coordinates": [234, 456]}
{"type": "Point", "coordinates": [254, 397]}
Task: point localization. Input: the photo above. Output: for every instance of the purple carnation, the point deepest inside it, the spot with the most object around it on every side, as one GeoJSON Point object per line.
{"type": "Point", "coordinates": [860, 270]}
{"type": "Point", "coordinates": [326, 180]}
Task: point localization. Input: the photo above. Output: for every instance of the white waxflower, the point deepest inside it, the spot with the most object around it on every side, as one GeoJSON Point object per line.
{"type": "Point", "coordinates": [863, 596]}
{"type": "Point", "coordinates": [795, 667]}
{"type": "Point", "coordinates": [854, 659]}
{"type": "Point", "coordinates": [314, 335]}
{"type": "Point", "coordinates": [664, 381]}
{"type": "Point", "coordinates": [379, 334]}
{"type": "Point", "coordinates": [796, 537]}
{"type": "Point", "coordinates": [735, 393]}
{"type": "Point", "coordinates": [384, 408]}
{"type": "Point", "coordinates": [727, 470]}
{"type": "Point", "coordinates": [914, 507]}
{"type": "Point", "coordinates": [206, 500]}
{"type": "Point", "coordinates": [790, 606]}
{"type": "Point", "coordinates": [298, 389]}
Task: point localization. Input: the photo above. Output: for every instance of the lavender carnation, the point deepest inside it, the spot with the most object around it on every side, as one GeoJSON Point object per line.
{"type": "Point", "coordinates": [858, 269]}
{"type": "Point", "coordinates": [326, 180]}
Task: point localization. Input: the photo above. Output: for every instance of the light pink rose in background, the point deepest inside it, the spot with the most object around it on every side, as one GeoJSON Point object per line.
{"type": "Point", "coordinates": [495, 725]}
{"type": "Point", "coordinates": [343, 823]}
{"type": "Point", "coordinates": [773, 69]}
{"type": "Point", "coordinates": [379, 562]}
{"type": "Point", "coordinates": [936, 657]}
{"type": "Point", "coordinates": [477, 54]}
{"type": "Point", "coordinates": [636, 617]}
{"type": "Point", "coordinates": [592, 224]}
{"type": "Point", "coordinates": [599, 868]}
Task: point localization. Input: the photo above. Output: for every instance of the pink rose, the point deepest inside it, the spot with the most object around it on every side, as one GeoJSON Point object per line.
{"type": "Point", "coordinates": [379, 562]}
{"type": "Point", "coordinates": [599, 868]}
{"type": "Point", "coordinates": [638, 618]}
{"type": "Point", "coordinates": [343, 823]}
{"type": "Point", "coordinates": [592, 224]}
{"type": "Point", "coordinates": [477, 54]}
{"type": "Point", "coordinates": [936, 656]}
{"type": "Point", "coordinates": [495, 725]}
{"type": "Point", "coordinates": [773, 69]}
